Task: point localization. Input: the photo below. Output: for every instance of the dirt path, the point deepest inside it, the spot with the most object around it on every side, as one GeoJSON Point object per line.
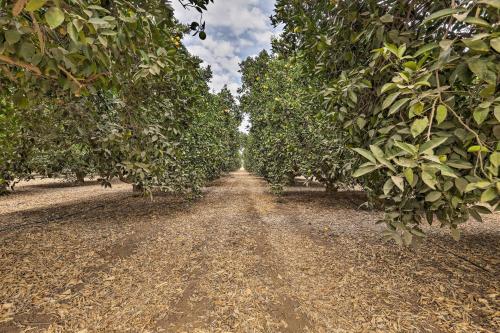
{"type": "Point", "coordinates": [238, 260]}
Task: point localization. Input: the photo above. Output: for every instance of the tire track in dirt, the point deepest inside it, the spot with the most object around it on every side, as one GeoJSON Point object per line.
{"type": "Point", "coordinates": [237, 290]}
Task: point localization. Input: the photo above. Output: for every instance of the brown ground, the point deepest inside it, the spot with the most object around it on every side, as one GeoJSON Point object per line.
{"type": "Point", "coordinates": [85, 259]}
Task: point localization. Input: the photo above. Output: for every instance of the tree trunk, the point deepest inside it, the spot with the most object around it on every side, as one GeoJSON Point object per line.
{"type": "Point", "coordinates": [331, 188]}
{"type": "Point", "coordinates": [3, 189]}
{"type": "Point", "coordinates": [137, 188]}
{"type": "Point", "coordinates": [80, 178]}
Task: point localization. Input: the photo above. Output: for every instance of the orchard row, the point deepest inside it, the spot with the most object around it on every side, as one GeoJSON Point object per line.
{"type": "Point", "coordinates": [399, 97]}
{"type": "Point", "coordinates": [106, 89]}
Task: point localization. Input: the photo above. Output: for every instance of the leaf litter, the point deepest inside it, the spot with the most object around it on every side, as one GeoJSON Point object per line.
{"type": "Point", "coordinates": [85, 259]}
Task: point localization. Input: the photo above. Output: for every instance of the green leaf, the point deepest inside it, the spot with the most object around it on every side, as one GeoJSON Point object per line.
{"type": "Point", "coordinates": [441, 113]}
{"type": "Point", "coordinates": [401, 51]}
{"type": "Point", "coordinates": [387, 18]}
{"type": "Point", "coordinates": [495, 44]}
{"type": "Point", "coordinates": [492, 3]}
{"type": "Point", "coordinates": [477, 21]}
{"type": "Point", "coordinates": [12, 36]}
{"type": "Point", "coordinates": [477, 66]}
{"type": "Point", "coordinates": [396, 106]}
{"type": "Point", "coordinates": [431, 144]}
{"type": "Point", "coordinates": [489, 195]}
{"type": "Point", "coordinates": [399, 182]}
{"type": "Point", "coordinates": [361, 122]}
{"type": "Point", "coordinates": [73, 34]}
{"type": "Point", "coordinates": [495, 159]}
{"type": "Point", "coordinates": [388, 186]}
{"type": "Point", "coordinates": [433, 196]}
{"type": "Point", "coordinates": [412, 65]}
{"type": "Point", "coordinates": [405, 162]}
{"type": "Point", "coordinates": [418, 126]}
{"type": "Point", "coordinates": [98, 21]}
{"type": "Point", "coordinates": [446, 44]}
{"type": "Point", "coordinates": [390, 99]}
{"type": "Point", "coordinates": [78, 25]}
{"type": "Point", "coordinates": [35, 5]}
{"type": "Point", "coordinates": [379, 155]}
{"type": "Point", "coordinates": [445, 170]}
{"type": "Point", "coordinates": [426, 48]}
{"type": "Point", "coordinates": [364, 170]}
{"type": "Point", "coordinates": [366, 154]}
{"type": "Point", "coordinates": [417, 109]}
{"type": "Point", "coordinates": [353, 96]}
{"type": "Point", "coordinates": [429, 179]}
{"type": "Point", "coordinates": [409, 148]}
{"type": "Point", "coordinates": [461, 184]}
{"type": "Point", "coordinates": [475, 149]}
{"type": "Point", "coordinates": [455, 201]}
{"type": "Point", "coordinates": [409, 175]}
{"type": "Point", "coordinates": [474, 213]}
{"type": "Point", "coordinates": [480, 68]}
{"type": "Point", "coordinates": [476, 45]}
{"type": "Point", "coordinates": [443, 13]}
{"type": "Point", "coordinates": [460, 164]}
{"type": "Point", "coordinates": [377, 152]}
{"type": "Point", "coordinates": [392, 48]}
{"type": "Point", "coordinates": [480, 115]}
{"type": "Point", "coordinates": [99, 8]}
{"type": "Point", "coordinates": [26, 51]}
{"type": "Point", "coordinates": [497, 112]}
{"type": "Point", "coordinates": [418, 232]}
{"type": "Point", "coordinates": [387, 87]}
{"type": "Point", "coordinates": [54, 17]}
{"type": "Point", "coordinates": [483, 184]}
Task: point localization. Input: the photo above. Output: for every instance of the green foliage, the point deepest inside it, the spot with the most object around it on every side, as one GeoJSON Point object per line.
{"type": "Point", "coordinates": [106, 89]}
{"type": "Point", "coordinates": [415, 84]}
{"type": "Point", "coordinates": [289, 136]}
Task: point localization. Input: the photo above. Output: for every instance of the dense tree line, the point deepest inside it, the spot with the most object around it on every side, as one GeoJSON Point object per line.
{"type": "Point", "coordinates": [400, 97]}
{"type": "Point", "coordinates": [106, 89]}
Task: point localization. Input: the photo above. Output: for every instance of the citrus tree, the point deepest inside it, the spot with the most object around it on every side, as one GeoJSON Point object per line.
{"type": "Point", "coordinates": [413, 87]}
{"type": "Point", "coordinates": [290, 136]}
{"type": "Point", "coordinates": [107, 88]}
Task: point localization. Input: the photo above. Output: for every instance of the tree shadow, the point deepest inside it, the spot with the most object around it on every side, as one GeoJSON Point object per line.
{"type": "Point", "coordinates": [60, 183]}
{"type": "Point", "coordinates": [304, 195]}
{"type": "Point", "coordinates": [110, 208]}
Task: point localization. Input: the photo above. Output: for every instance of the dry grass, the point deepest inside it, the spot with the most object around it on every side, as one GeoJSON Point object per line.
{"type": "Point", "coordinates": [85, 259]}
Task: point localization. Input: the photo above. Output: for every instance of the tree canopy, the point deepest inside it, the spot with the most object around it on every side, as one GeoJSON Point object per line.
{"type": "Point", "coordinates": [106, 89]}
{"type": "Point", "coordinates": [399, 97]}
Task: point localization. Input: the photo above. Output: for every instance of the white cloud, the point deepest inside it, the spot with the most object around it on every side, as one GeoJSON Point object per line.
{"type": "Point", "coordinates": [236, 29]}
{"type": "Point", "coordinates": [245, 124]}
{"type": "Point", "coordinates": [238, 15]}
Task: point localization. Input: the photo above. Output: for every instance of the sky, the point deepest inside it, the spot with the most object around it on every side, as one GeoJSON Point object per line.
{"type": "Point", "coordinates": [235, 30]}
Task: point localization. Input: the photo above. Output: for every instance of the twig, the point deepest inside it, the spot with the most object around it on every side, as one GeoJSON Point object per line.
{"type": "Point", "coordinates": [8, 74]}
{"type": "Point", "coordinates": [70, 76]}
{"type": "Point", "coordinates": [96, 76]}
{"type": "Point", "coordinates": [18, 7]}
{"type": "Point", "coordinates": [21, 64]}
{"type": "Point", "coordinates": [38, 32]}
{"type": "Point", "coordinates": [480, 143]}
{"type": "Point", "coordinates": [462, 257]}
{"type": "Point", "coordinates": [432, 119]}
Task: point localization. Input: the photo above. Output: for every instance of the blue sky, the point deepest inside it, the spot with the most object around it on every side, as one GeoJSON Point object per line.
{"type": "Point", "coordinates": [236, 29]}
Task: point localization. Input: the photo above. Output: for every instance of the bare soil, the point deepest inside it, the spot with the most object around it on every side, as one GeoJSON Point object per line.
{"type": "Point", "coordinates": [86, 259]}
